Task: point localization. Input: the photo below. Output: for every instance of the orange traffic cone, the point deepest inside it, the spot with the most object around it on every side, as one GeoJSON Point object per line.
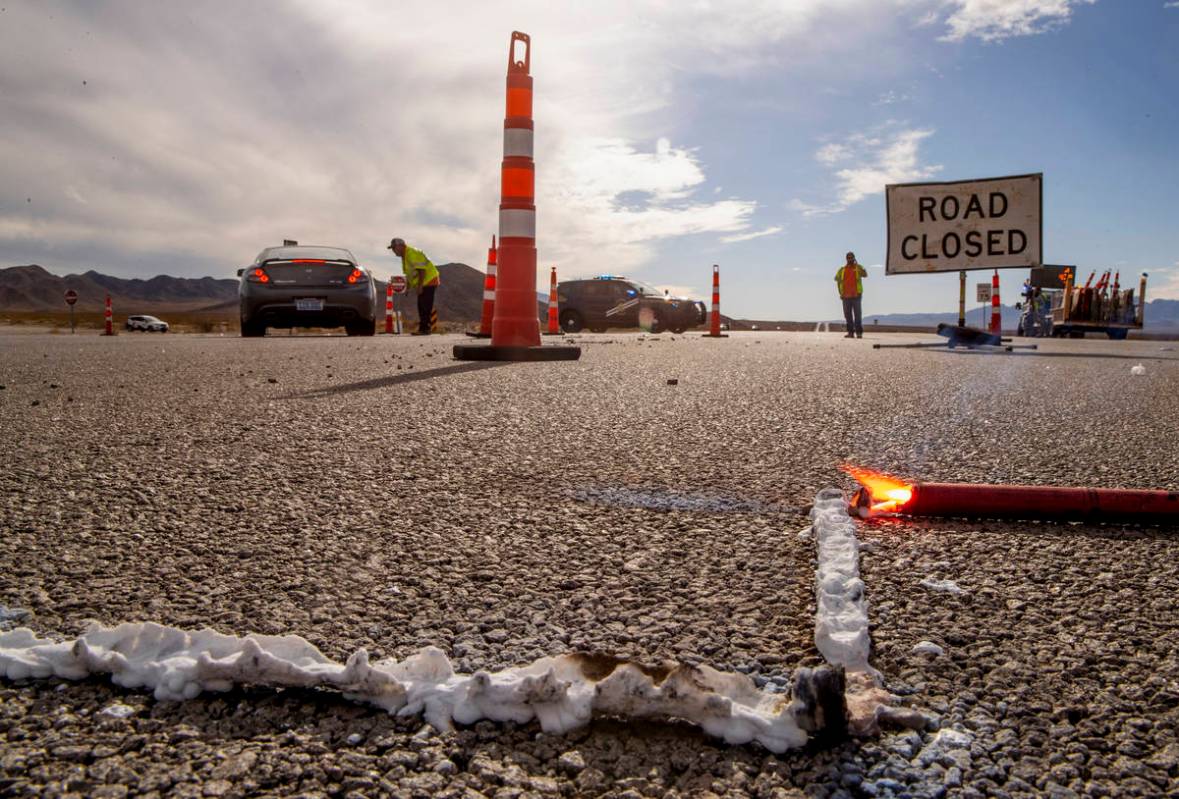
{"type": "Point", "coordinates": [488, 296]}
{"type": "Point", "coordinates": [389, 307]}
{"type": "Point", "coordinates": [996, 318]}
{"type": "Point", "coordinates": [714, 330]}
{"type": "Point", "coordinates": [515, 329]}
{"type": "Point", "coordinates": [554, 326]}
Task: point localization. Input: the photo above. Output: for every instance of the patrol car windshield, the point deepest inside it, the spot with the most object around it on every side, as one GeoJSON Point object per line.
{"type": "Point", "coordinates": [646, 289]}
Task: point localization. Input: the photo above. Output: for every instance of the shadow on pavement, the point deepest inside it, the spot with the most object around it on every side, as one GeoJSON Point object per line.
{"type": "Point", "coordinates": [1115, 356]}
{"type": "Point", "coordinates": [902, 527]}
{"type": "Point", "coordinates": [1042, 354]}
{"type": "Point", "coordinates": [398, 379]}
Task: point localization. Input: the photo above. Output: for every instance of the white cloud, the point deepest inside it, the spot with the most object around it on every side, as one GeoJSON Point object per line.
{"type": "Point", "coordinates": [830, 153]}
{"type": "Point", "coordinates": [995, 20]}
{"type": "Point", "coordinates": [757, 234]}
{"type": "Point", "coordinates": [1168, 285]}
{"type": "Point", "coordinates": [156, 134]}
{"type": "Point", "coordinates": [205, 133]}
{"type": "Point", "coordinates": [891, 97]}
{"type": "Point", "coordinates": [1172, 4]}
{"type": "Point", "coordinates": [879, 160]}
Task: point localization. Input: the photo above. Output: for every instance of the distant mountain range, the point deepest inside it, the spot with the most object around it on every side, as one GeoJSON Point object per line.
{"type": "Point", "coordinates": [33, 288]}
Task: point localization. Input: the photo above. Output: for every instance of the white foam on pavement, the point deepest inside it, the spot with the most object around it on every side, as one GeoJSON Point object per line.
{"type": "Point", "coordinates": [841, 619]}
{"type": "Point", "coordinates": [561, 693]}
{"type": "Point", "coordinates": [841, 609]}
{"type": "Point", "coordinates": [944, 586]}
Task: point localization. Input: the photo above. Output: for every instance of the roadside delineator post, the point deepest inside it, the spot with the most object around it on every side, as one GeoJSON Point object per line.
{"type": "Point", "coordinates": [108, 318]}
{"type": "Point", "coordinates": [554, 325]}
{"type": "Point", "coordinates": [515, 328]}
{"type": "Point", "coordinates": [714, 321]}
{"type": "Point", "coordinates": [488, 296]}
{"type": "Point", "coordinates": [996, 318]}
{"type": "Point", "coordinates": [389, 307]}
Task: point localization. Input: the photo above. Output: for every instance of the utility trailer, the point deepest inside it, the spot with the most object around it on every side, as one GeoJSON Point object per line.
{"type": "Point", "coordinates": [1099, 309]}
{"type": "Point", "coordinates": [1053, 306]}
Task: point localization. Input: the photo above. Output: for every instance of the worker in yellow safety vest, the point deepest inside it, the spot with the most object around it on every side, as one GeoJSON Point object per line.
{"type": "Point", "coordinates": [849, 279]}
{"type": "Point", "coordinates": [422, 276]}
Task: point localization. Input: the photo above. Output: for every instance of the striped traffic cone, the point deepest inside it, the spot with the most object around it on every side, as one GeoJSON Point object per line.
{"type": "Point", "coordinates": [996, 318]}
{"type": "Point", "coordinates": [554, 326]}
{"type": "Point", "coordinates": [108, 318]}
{"type": "Point", "coordinates": [714, 330]}
{"type": "Point", "coordinates": [488, 296]}
{"type": "Point", "coordinates": [433, 320]}
{"type": "Point", "coordinates": [389, 307]}
{"type": "Point", "coordinates": [515, 328]}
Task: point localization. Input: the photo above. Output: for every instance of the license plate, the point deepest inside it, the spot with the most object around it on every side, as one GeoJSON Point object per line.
{"type": "Point", "coordinates": [309, 305]}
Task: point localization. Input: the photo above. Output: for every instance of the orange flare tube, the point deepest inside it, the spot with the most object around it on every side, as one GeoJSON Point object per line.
{"type": "Point", "coordinates": [1056, 503]}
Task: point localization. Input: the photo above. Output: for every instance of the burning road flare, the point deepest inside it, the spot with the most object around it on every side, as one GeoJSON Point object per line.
{"type": "Point", "coordinates": [882, 493]}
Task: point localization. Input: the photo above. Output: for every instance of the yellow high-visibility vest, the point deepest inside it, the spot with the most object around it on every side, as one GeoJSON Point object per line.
{"type": "Point", "coordinates": [417, 267]}
{"type": "Point", "coordinates": [861, 272]}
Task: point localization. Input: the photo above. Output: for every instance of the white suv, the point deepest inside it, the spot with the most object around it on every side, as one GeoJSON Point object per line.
{"type": "Point", "coordinates": [148, 323]}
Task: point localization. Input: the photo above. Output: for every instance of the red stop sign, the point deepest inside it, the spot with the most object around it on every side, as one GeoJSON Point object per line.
{"type": "Point", "coordinates": [71, 296]}
{"type": "Point", "coordinates": [398, 283]}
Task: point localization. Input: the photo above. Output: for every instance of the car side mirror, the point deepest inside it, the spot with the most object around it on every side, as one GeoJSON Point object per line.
{"type": "Point", "coordinates": [240, 271]}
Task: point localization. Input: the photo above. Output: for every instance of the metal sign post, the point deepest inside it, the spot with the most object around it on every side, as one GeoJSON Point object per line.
{"type": "Point", "coordinates": [71, 297]}
{"type": "Point", "coordinates": [962, 299]}
{"type": "Point", "coordinates": [984, 299]}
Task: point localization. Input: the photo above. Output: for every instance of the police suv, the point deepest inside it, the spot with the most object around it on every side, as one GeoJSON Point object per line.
{"type": "Point", "coordinates": [613, 301]}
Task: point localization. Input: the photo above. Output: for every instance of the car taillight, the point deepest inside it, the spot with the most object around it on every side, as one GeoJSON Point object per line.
{"type": "Point", "coordinates": [357, 276]}
{"type": "Point", "coordinates": [258, 275]}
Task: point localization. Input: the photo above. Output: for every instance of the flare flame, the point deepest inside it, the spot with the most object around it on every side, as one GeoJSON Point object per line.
{"type": "Point", "coordinates": [879, 493]}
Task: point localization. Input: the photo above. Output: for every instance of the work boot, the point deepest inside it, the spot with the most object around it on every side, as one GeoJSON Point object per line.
{"type": "Point", "coordinates": [850, 335]}
{"type": "Point", "coordinates": [859, 335]}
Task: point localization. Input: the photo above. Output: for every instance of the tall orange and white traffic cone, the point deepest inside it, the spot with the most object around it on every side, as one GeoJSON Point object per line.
{"type": "Point", "coordinates": [488, 296]}
{"type": "Point", "coordinates": [996, 317]}
{"type": "Point", "coordinates": [108, 318]}
{"type": "Point", "coordinates": [389, 307]}
{"type": "Point", "coordinates": [714, 318]}
{"type": "Point", "coordinates": [554, 325]}
{"type": "Point", "coordinates": [515, 328]}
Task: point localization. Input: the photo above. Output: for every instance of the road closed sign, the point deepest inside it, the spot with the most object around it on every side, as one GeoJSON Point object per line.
{"type": "Point", "coordinates": [992, 223]}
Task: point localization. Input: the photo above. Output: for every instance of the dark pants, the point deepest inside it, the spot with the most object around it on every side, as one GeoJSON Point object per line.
{"type": "Point", "coordinates": [425, 308]}
{"type": "Point", "coordinates": [853, 313]}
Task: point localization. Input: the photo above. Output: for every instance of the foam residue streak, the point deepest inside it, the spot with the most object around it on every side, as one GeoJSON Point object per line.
{"type": "Point", "coordinates": [561, 692]}
{"type": "Point", "coordinates": [841, 618]}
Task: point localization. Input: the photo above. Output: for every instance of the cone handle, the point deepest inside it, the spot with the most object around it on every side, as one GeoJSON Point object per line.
{"type": "Point", "coordinates": [526, 64]}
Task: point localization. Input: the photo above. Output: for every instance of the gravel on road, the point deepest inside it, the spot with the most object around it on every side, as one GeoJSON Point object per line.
{"type": "Point", "coordinates": [375, 493]}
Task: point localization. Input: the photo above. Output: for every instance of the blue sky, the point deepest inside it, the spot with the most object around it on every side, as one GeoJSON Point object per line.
{"type": "Point", "coordinates": [1090, 103]}
{"type": "Point", "coordinates": [144, 139]}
